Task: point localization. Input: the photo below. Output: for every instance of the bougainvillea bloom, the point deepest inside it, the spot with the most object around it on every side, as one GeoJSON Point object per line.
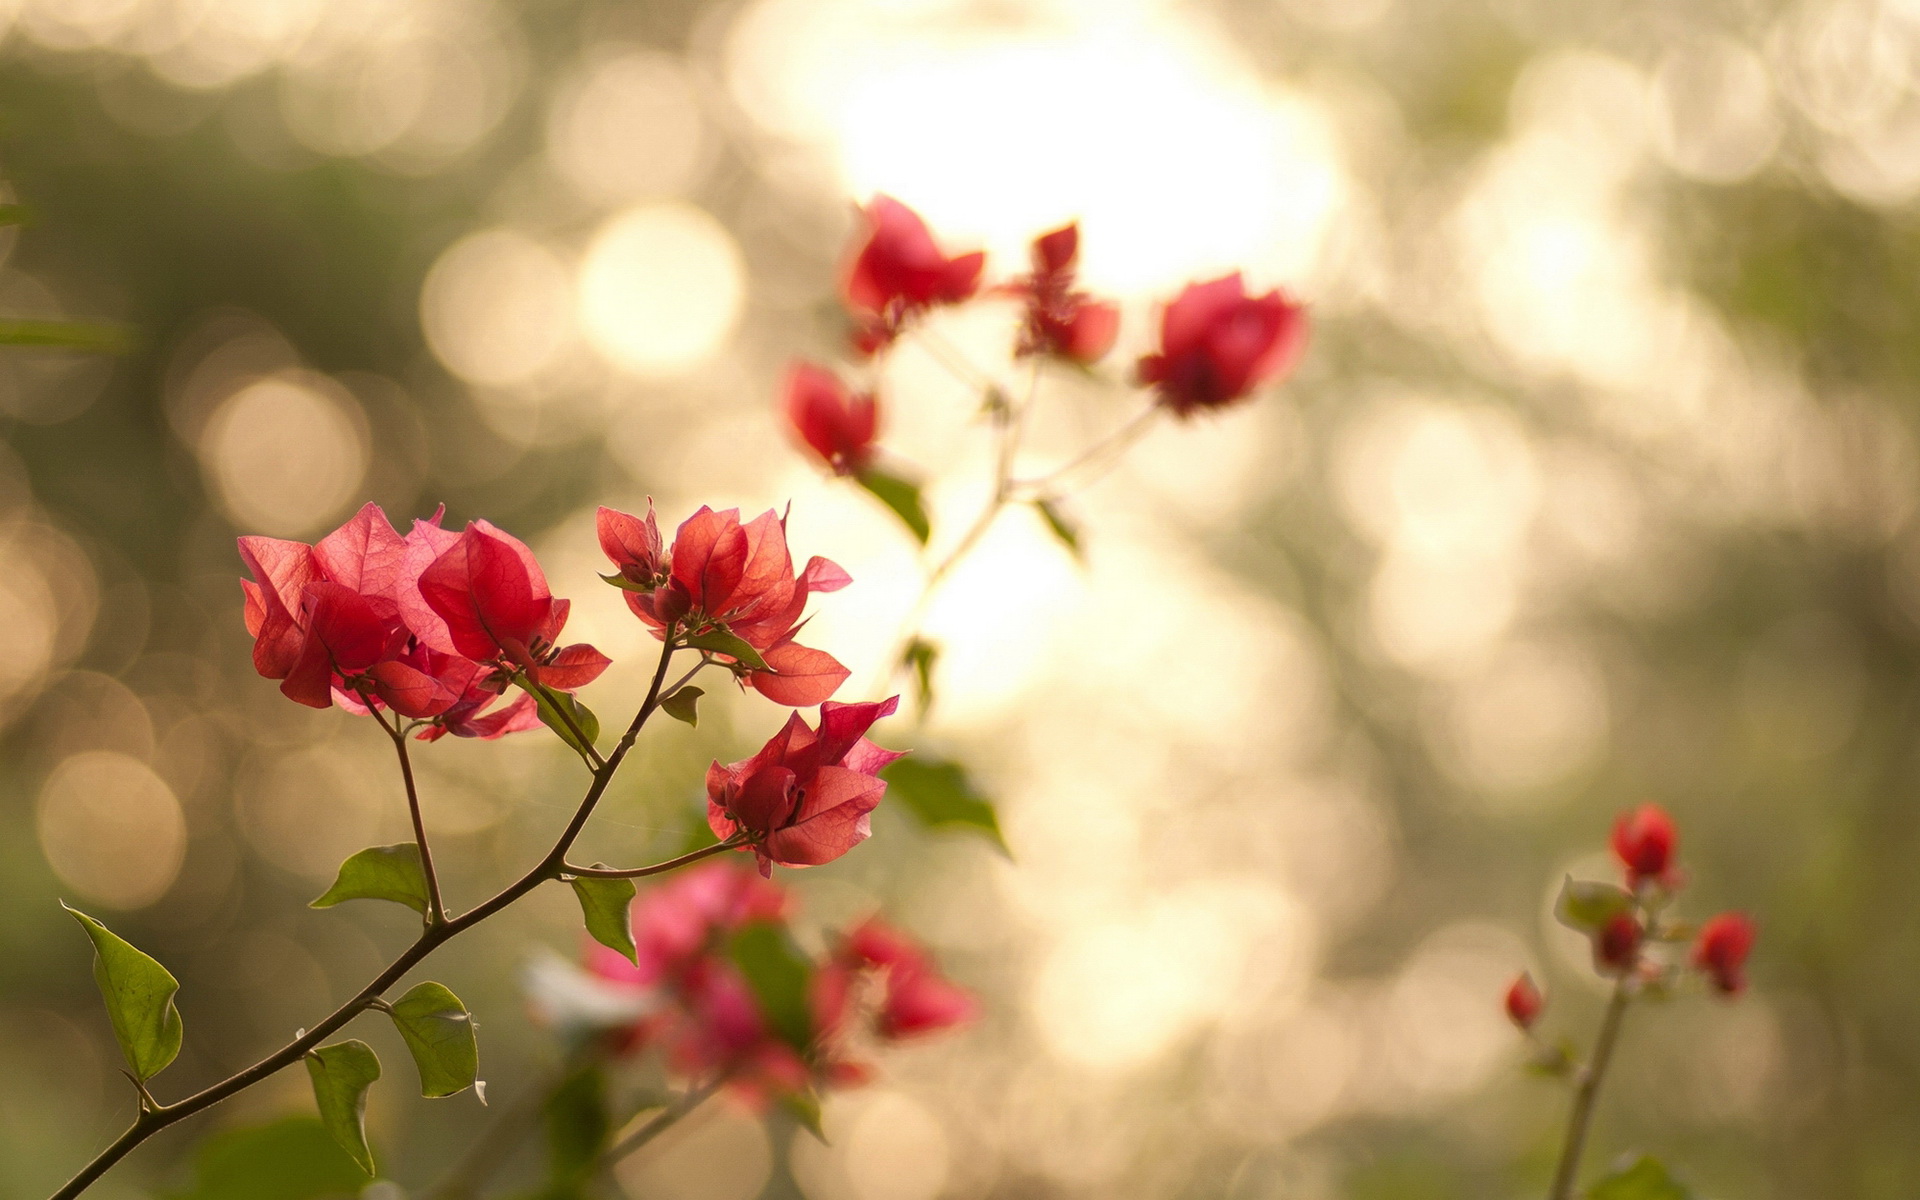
{"type": "Point", "coordinates": [723, 575]}
{"type": "Point", "coordinates": [804, 799]}
{"type": "Point", "coordinates": [493, 597]}
{"type": "Point", "coordinates": [914, 998]}
{"type": "Point", "coordinates": [1616, 945]}
{"type": "Point", "coordinates": [834, 422]}
{"type": "Point", "coordinates": [1643, 840]}
{"type": "Point", "coordinates": [1060, 321]}
{"type": "Point", "coordinates": [1721, 951]}
{"type": "Point", "coordinates": [1217, 344]}
{"type": "Point", "coordinates": [899, 271]}
{"type": "Point", "coordinates": [1524, 1001]}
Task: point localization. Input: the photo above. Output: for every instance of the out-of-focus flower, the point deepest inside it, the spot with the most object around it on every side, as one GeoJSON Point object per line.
{"type": "Point", "coordinates": [834, 422]}
{"type": "Point", "coordinates": [1524, 1001]}
{"type": "Point", "coordinates": [1217, 344]}
{"type": "Point", "coordinates": [1060, 321]}
{"type": "Point", "coordinates": [805, 798]}
{"type": "Point", "coordinates": [1643, 840]}
{"type": "Point", "coordinates": [915, 998]}
{"type": "Point", "coordinates": [1721, 951]}
{"type": "Point", "coordinates": [1616, 946]}
{"type": "Point", "coordinates": [491, 593]}
{"type": "Point", "coordinates": [898, 271]}
{"type": "Point", "coordinates": [722, 575]}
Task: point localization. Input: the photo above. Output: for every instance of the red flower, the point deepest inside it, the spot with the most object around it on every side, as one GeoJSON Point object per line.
{"type": "Point", "coordinates": [1217, 344]}
{"type": "Point", "coordinates": [835, 424]}
{"type": "Point", "coordinates": [1524, 1001]}
{"type": "Point", "coordinates": [1722, 949]}
{"type": "Point", "coordinates": [722, 575]}
{"type": "Point", "coordinates": [1643, 840]}
{"type": "Point", "coordinates": [804, 799]}
{"type": "Point", "coordinates": [1060, 321]}
{"type": "Point", "coordinates": [898, 272]}
{"type": "Point", "coordinates": [1616, 947]}
{"type": "Point", "coordinates": [494, 601]}
{"type": "Point", "coordinates": [916, 999]}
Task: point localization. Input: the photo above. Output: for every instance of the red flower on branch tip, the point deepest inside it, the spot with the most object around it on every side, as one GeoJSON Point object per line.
{"type": "Point", "coordinates": [490, 593]}
{"type": "Point", "coordinates": [1060, 321]}
{"type": "Point", "coordinates": [1616, 944]}
{"type": "Point", "coordinates": [913, 997]}
{"type": "Point", "coordinates": [805, 798]}
{"type": "Point", "coordinates": [1721, 951]}
{"type": "Point", "coordinates": [898, 271]}
{"type": "Point", "coordinates": [1643, 840]}
{"type": "Point", "coordinates": [1524, 1001]}
{"type": "Point", "coordinates": [721, 575]}
{"type": "Point", "coordinates": [1217, 344]}
{"type": "Point", "coordinates": [837, 424]}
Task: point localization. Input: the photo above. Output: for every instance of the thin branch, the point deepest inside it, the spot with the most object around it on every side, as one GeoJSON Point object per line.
{"type": "Point", "coordinates": [566, 718]}
{"type": "Point", "coordinates": [1581, 1118]}
{"type": "Point", "coordinates": [689, 1100]}
{"type": "Point", "coordinates": [1104, 453]}
{"type": "Point", "coordinates": [692, 856]}
{"type": "Point", "coordinates": [436, 910]}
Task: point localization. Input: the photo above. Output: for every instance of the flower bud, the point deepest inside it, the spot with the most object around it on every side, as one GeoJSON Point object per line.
{"type": "Point", "coordinates": [1616, 947]}
{"type": "Point", "coordinates": [1643, 840]}
{"type": "Point", "coordinates": [1524, 1001]}
{"type": "Point", "coordinates": [1721, 951]}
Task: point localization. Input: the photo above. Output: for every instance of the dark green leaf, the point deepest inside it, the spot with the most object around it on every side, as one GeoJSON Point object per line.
{"type": "Point", "coordinates": [342, 1073]}
{"type": "Point", "coordinates": [920, 656]}
{"type": "Point", "coordinates": [551, 706]}
{"type": "Point", "coordinates": [139, 995]}
{"type": "Point", "coordinates": [291, 1159]}
{"type": "Point", "coordinates": [578, 1125]}
{"type": "Point", "coordinates": [1586, 905]}
{"type": "Point", "coordinates": [439, 1032]}
{"type": "Point", "coordinates": [721, 641]}
{"type": "Point", "coordinates": [900, 495]}
{"type": "Point", "coordinates": [380, 873]}
{"type": "Point", "coordinates": [65, 335]}
{"type": "Point", "coordinates": [628, 585]}
{"type": "Point", "coordinates": [804, 1107]}
{"type": "Point", "coordinates": [942, 797]}
{"type": "Point", "coordinates": [1646, 1179]}
{"type": "Point", "coordinates": [1065, 530]}
{"type": "Point", "coordinates": [780, 978]}
{"type": "Point", "coordinates": [684, 704]}
{"type": "Point", "coordinates": [606, 904]}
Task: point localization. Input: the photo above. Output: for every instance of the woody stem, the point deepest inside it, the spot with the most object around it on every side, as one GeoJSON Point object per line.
{"type": "Point", "coordinates": [436, 910]}
{"type": "Point", "coordinates": [1581, 1117]}
{"type": "Point", "coordinates": [689, 1100]}
{"type": "Point", "coordinates": [692, 856]}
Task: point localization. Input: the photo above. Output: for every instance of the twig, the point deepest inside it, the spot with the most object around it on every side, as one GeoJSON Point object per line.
{"type": "Point", "coordinates": [436, 910]}
{"type": "Point", "coordinates": [1581, 1117]}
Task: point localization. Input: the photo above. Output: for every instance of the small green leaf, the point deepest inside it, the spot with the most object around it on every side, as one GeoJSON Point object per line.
{"type": "Point", "coordinates": [780, 978]}
{"type": "Point", "coordinates": [1645, 1179]}
{"type": "Point", "coordinates": [628, 585]}
{"type": "Point", "coordinates": [1065, 530]}
{"type": "Point", "coordinates": [607, 906]}
{"type": "Point", "coordinates": [941, 795]}
{"type": "Point", "coordinates": [920, 656]}
{"type": "Point", "coordinates": [439, 1032]}
{"type": "Point", "coordinates": [66, 335]}
{"type": "Point", "coordinates": [291, 1159]}
{"type": "Point", "coordinates": [578, 1124]}
{"type": "Point", "coordinates": [684, 705]}
{"type": "Point", "coordinates": [1554, 1060]}
{"type": "Point", "coordinates": [342, 1073]}
{"type": "Point", "coordinates": [722, 641]}
{"type": "Point", "coordinates": [1586, 905]}
{"type": "Point", "coordinates": [804, 1108]}
{"type": "Point", "coordinates": [380, 873]}
{"type": "Point", "coordinates": [551, 704]}
{"type": "Point", "coordinates": [139, 995]}
{"type": "Point", "coordinates": [900, 495]}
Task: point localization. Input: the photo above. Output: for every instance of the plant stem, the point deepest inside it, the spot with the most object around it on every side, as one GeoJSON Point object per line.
{"type": "Point", "coordinates": [1110, 447]}
{"type": "Point", "coordinates": [660, 868]}
{"type": "Point", "coordinates": [151, 1121]}
{"type": "Point", "coordinates": [436, 910]}
{"type": "Point", "coordinates": [689, 1100]}
{"type": "Point", "coordinates": [1581, 1117]}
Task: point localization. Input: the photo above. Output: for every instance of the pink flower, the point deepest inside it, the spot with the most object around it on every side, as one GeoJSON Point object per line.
{"type": "Point", "coordinates": [804, 799]}
{"type": "Point", "coordinates": [898, 272]}
{"type": "Point", "coordinates": [1060, 321]}
{"type": "Point", "coordinates": [1721, 951]}
{"type": "Point", "coordinates": [492, 596]}
{"type": "Point", "coordinates": [915, 998]}
{"type": "Point", "coordinates": [1217, 344]}
{"type": "Point", "coordinates": [1524, 1001]}
{"type": "Point", "coordinates": [1643, 840]}
{"type": "Point", "coordinates": [836, 424]}
{"type": "Point", "coordinates": [722, 575]}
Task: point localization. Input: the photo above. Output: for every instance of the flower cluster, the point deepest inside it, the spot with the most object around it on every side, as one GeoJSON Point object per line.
{"type": "Point", "coordinates": [689, 993]}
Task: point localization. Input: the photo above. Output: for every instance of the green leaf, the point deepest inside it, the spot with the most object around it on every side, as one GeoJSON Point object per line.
{"type": "Point", "coordinates": [939, 793]}
{"type": "Point", "coordinates": [607, 906]}
{"type": "Point", "coordinates": [551, 704]}
{"type": "Point", "coordinates": [804, 1108]}
{"type": "Point", "coordinates": [722, 641]}
{"type": "Point", "coordinates": [628, 585]}
{"type": "Point", "coordinates": [139, 995]}
{"type": "Point", "coordinates": [291, 1159]}
{"type": "Point", "coordinates": [14, 214]}
{"type": "Point", "coordinates": [1646, 1179]}
{"type": "Point", "coordinates": [66, 335]}
{"type": "Point", "coordinates": [342, 1073]}
{"type": "Point", "coordinates": [439, 1032]}
{"type": "Point", "coordinates": [1586, 905]}
{"type": "Point", "coordinates": [920, 656]}
{"type": "Point", "coordinates": [1065, 530]}
{"type": "Point", "coordinates": [579, 1124]}
{"type": "Point", "coordinates": [900, 495]}
{"type": "Point", "coordinates": [780, 978]}
{"type": "Point", "coordinates": [380, 873]}
{"type": "Point", "coordinates": [684, 704]}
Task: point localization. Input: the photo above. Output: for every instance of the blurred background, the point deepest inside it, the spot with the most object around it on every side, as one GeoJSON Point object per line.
{"type": "Point", "coordinates": [1598, 486]}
